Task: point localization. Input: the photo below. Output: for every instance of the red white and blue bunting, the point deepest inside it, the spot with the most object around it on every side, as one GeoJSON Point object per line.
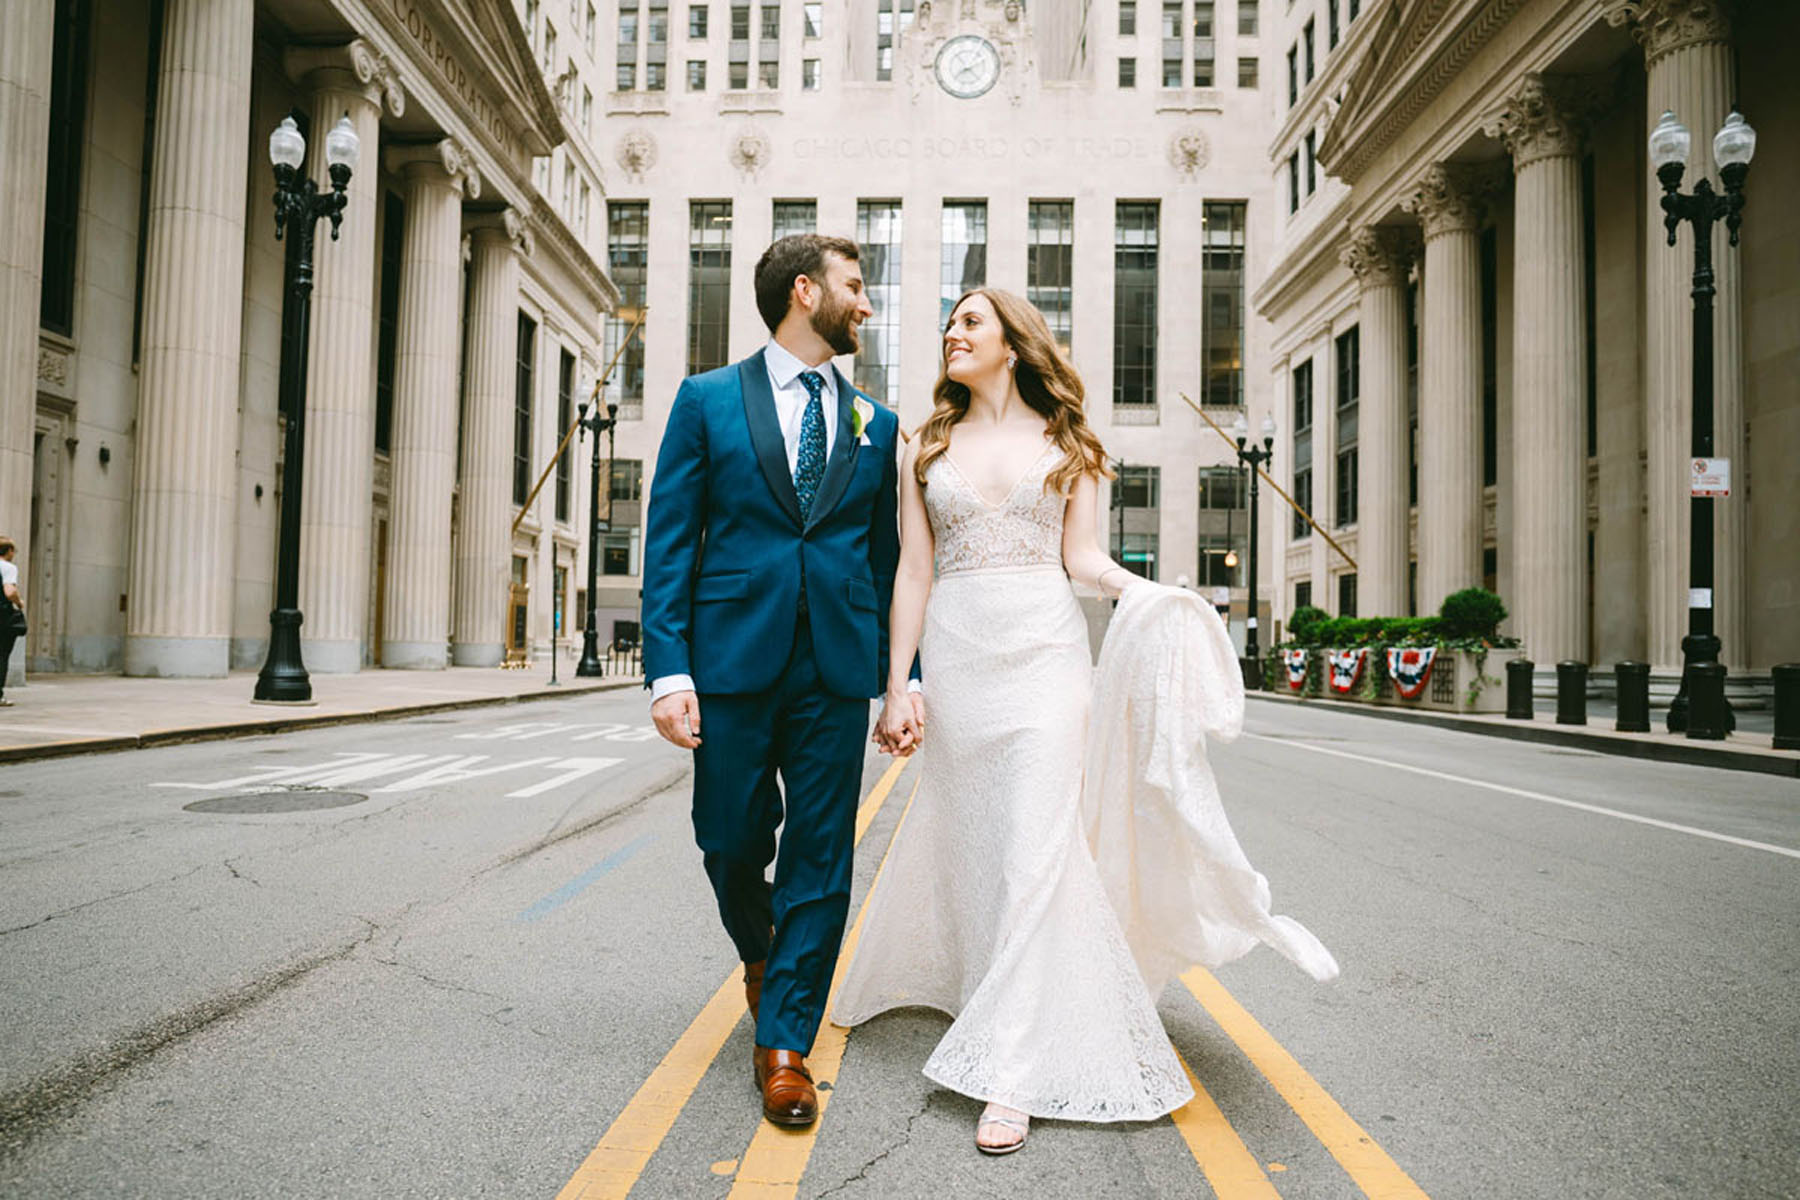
{"type": "Point", "coordinates": [1295, 662]}
{"type": "Point", "coordinates": [1410, 669]}
{"type": "Point", "coordinates": [1347, 668]}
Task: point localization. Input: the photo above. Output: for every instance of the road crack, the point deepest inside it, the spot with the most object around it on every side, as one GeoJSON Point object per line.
{"type": "Point", "coordinates": [862, 1173]}
{"type": "Point", "coordinates": [85, 904]}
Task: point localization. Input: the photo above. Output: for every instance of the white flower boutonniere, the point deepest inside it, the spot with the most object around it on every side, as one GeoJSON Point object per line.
{"type": "Point", "coordinates": [862, 412]}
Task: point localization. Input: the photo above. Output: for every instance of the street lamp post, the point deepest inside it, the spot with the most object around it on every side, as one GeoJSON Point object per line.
{"type": "Point", "coordinates": [1254, 460]}
{"type": "Point", "coordinates": [591, 664]}
{"type": "Point", "coordinates": [1700, 708]}
{"type": "Point", "coordinates": [298, 206]}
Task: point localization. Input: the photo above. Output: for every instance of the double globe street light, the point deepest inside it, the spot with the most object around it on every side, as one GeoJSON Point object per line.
{"type": "Point", "coordinates": [298, 206]}
{"type": "Point", "coordinates": [1700, 708]}
{"type": "Point", "coordinates": [1254, 459]}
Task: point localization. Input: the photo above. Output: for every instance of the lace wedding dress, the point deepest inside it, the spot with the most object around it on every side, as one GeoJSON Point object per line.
{"type": "Point", "coordinates": [991, 906]}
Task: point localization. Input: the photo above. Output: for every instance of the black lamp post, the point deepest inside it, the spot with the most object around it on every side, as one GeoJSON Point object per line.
{"type": "Point", "coordinates": [1700, 708]}
{"type": "Point", "coordinates": [298, 206]}
{"type": "Point", "coordinates": [1254, 460]}
{"type": "Point", "coordinates": [591, 664]}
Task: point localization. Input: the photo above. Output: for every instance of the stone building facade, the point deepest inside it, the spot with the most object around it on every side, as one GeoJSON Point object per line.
{"type": "Point", "coordinates": [1103, 159]}
{"type": "Point", "coordinates": [1481, 339]}
{"type": "Point", "coordinates": [147, 348]}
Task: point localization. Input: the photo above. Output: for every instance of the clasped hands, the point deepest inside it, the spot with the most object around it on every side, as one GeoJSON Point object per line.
{"type": "Point", "coordinates": [901, 726]}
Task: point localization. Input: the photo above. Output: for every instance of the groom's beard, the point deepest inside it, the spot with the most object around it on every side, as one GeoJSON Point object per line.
{"type": "Point", "coordinates": [833, 322]}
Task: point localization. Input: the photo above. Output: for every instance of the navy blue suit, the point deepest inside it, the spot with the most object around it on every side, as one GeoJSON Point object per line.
{"type": "Point", "coordinates": [784, 686]}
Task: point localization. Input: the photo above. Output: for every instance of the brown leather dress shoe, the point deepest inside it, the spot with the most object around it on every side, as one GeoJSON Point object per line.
{"type": "Point", "coordinates": [753, 979]}
{"type": "Point", "coordinates": [787, 1087]}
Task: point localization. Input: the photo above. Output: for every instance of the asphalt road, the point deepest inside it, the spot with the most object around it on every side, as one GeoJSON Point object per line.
{"type": "Point", "coordinates": [1565, 975]}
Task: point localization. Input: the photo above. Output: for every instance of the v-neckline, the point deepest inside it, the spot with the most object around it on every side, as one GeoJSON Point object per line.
{"type": "Point", "coordinates": [1049, 445]}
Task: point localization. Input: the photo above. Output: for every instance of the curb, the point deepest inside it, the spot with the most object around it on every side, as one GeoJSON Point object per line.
{"type": "Point", "coordinates": [237, 729]}
{"type": "Point", "coordinates": [1698, 754]}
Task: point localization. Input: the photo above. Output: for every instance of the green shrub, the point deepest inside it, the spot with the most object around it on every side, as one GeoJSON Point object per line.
{"type": "Point", "coordinates": [1473, 613]}
{"type": "Point", "coordinates": [1303, 625]}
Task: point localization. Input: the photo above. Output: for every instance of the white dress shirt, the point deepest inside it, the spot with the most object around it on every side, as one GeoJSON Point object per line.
{"type": "Point", "coordinates": [785, 369]}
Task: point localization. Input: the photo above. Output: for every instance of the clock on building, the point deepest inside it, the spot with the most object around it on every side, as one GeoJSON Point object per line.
{"type": "Point", "coordinates": [967, 66]}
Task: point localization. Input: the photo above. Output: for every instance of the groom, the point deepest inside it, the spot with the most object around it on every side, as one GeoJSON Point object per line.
{"type": "Point", "coordinates": [770, 547]}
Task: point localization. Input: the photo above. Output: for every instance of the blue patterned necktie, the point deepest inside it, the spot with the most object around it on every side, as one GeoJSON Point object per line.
{"type": "Point", "coordinates": [809, 469]}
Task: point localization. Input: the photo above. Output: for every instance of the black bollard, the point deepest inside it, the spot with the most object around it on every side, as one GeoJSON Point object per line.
{"type": "Point", "coordinates": [1706, 702]}
{"type": "Point", "coordinates": [1518, 689]}
{"type": "Point", "coordinates": [1634, 697]}
{"type": "Point", "coordinates": [1787, 706]}
{"type": "Point", "coordinates": [1571, 692]}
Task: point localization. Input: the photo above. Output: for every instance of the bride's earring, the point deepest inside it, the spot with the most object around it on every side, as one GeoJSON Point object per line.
{"type": "Point", "coordinates": [1012, 360]}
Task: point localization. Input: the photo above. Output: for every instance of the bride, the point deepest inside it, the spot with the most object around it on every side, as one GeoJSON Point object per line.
{"type": "Point", "coordinates": [992, 907]}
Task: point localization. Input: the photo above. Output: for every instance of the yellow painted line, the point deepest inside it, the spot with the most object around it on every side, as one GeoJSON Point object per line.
{"type": "Point", "coordinates": [1226, 1162]}
{"type": "Point", "coordinates": [614, 1165]}
{"type": "Point", "coordinates": [772, 1166]}
{"type": "Point", "coordinates": [1368, 1165]}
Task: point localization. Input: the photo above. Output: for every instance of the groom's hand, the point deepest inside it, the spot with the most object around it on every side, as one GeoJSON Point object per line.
{"type": "Point", "coordinates": [677, 718]}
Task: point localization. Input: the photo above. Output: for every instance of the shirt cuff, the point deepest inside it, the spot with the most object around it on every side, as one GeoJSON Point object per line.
{"type": "Point", "coordinates": [913, 686]}
{"type": "Point", "coordinates": [668, 685]}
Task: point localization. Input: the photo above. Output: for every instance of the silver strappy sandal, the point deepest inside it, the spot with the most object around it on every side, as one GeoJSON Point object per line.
{"type": "Point", "coordinates": [1021, 1126]}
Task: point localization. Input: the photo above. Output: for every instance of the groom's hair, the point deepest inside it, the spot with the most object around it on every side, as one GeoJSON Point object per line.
{"type": "Point", "coordinates": [787, 260]}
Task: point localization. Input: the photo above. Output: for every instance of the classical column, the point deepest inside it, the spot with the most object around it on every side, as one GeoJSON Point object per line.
{"type": "Point", "coordinates": [1541, 127]}
{"type": "Point", "coordinates": [1449, 384]}
{"type": "Point", "coordinates": [483, 542]}
{"type": "Point", "coordinates": [1688, 62]}
{"type": "Point", "coordinates": [178, 617]}
{"type": "Point", "coordinates": [338, 493]}
{"type": "Point", "coordinates": [1379, 256]}
{"type": "Point", "coordinates": [416, 625]}
{"type": "Point", "coordinates": [25, 53]}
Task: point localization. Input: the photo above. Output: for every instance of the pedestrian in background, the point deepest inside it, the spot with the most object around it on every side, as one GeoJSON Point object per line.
{"type": "Point", "coordinates": [12, 613]}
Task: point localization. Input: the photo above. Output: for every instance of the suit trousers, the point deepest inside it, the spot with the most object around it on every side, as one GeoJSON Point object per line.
{"type": "Point", "coordinates": [813, 743]}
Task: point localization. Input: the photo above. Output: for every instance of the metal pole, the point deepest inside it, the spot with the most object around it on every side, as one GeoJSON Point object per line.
{"type": "Point", "coordinates": [590, 665]}
{"type": "Point", "coordinates": [1250, 622]}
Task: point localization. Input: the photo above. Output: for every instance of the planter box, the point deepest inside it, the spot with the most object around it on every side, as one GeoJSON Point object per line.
{"type": "Point", "coordinates": [1447, 690]}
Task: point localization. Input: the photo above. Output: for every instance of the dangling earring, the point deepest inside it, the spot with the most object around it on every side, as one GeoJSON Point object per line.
{"type": "Point", "coordinates": [1012, 360]}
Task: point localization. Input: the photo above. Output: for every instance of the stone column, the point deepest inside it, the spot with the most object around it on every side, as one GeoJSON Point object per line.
{"type": "Point", "coordinates": [1449, 384]}
{"type": "Point", "coordinates": [25, 54]}
{"type": "Point", "coordinates": [178, 618]}
{"type": "Point", "coordinates": [484, 540]}
{"type": "Point", "coordinates": [416, 627]}
{"type": "Point", "coordinates": [1380, 257]}
{"type": "Point", "coordinates": [337, 499]}
{"type": "Point", "coordinates": [1542, 130]}
{"type": "Point", "coordinates": [1688, 61]}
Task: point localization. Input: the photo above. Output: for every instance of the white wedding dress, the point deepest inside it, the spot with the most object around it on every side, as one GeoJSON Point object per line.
{"type": "Point", "coordinates": [991, 906]}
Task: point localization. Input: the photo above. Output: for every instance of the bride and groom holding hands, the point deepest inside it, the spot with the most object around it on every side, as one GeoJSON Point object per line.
{"type": "Point", "coordinates": [1059, 865]}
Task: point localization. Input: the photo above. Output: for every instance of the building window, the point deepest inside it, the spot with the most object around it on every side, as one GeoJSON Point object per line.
{"type": "Point", "coordinates": [1293, 183]}
{"type": "Point", "coordinates": [1203, 43]}
{"type": "Point", "coordinates": [1128, 72]}
{"type": "Point", "coordinates": [1127, 18]}
{"type": "Point", "coordinates": [1050, 264]}
{"type": "Point", "coordinates": [568, 195]}
{"type": "Point", "coordinates": [622, 543]}
{"type": "Point", "coordinates": [1303, 449]}
{"type": "Point", "coordinates": [1172, 52]}
{"type": "Point", "coordinates": [1223, 523]}
{"type": "Point", "coordinates": [549, 48]}
{"type": "Point", "coordinates": [740, 22]}
{"type": "Point", "coordinates": [1222, 306]}
{"type": "Point", "coordinates": [892, 18]}
{"type": "Point", "coordinates": [795, 216]}
{"type": "Point", "coordinates": [627, 77]}
{"type": "Point", "coordinates": [587, 111]}
{"type": "Point", "coordinates": [658, 29]}
{"type": "Point", "coordinates": [963, 264]}
{"type": "Point", "coordinates": [697, 17]}
{"type": "Point", "coordinates": [1247, 18]}
{"type": "Point", "coordinates": [655, 76]}
{"type": "Point", "coordinates": [1347, 594]}
{"type": "Point", "coordinates": [393, 241]}
{"type": "Point", "coordinates": [527, 353]}
{"type": "Point", "coordinates": [812, 19]}
{"type": "Point", "coordinates": [1312, 170]}
{"type": "Point", "coordinates": [1331, 24]}
{"type": "Point", "coordinates": [565, 420]}
{"type": "Point", "coordinates": [1134, 304]}
{"type": "Point", "coordinates": [531, 12]}
{"type": "Point", "coordinates": [809, 75]}
{"type": "Point", "coordinates": [1349, 384]}
{"type": "Point", "coordinates": [768, 74]}
{"type": "Point", "coordinates": [627, 261]}
{"type": "Point", "coordinates": [1293, 76]}
{"type": "Point", "coordinates": [697, 75]}
{"type": "Point", "coordinates": [62, 166]}
{"type": "Point", "coordinates": [628, 31]}
{"type": "Point", "coordinates": [592, 24]}
{"type": "Point", "coordinates": [771, 25]}
{"type": "Point", "coordinates": [1247, 77]}
{"type": "Point", "coordinates": [581, 213]}
{"type": "Point", "coordinates": [1303, 594]}
{"type": "Point", "coordinates": [709, 285]}
{"type": "Point", "coordinates": [878, 229]}
{"type": "Point", "coordinates": [1355, 6]}
{"type": "Point", "coordinates": [1137, 496]}
{"type": "Point", "coordinates": [738, 75]}
{"type": "Point", "coordinates": [626, 484]}
{"type": "Point", "coordinates": [1306, 41]}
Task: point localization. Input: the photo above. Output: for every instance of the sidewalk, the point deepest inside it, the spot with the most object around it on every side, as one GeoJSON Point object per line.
{"type": "Point", "coordinates": [56, 715]}
{"type": "Point", "coordinates": [1748, 749]}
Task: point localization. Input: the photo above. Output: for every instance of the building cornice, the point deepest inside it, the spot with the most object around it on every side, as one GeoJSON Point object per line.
{"type": "Point", "coordinates": [1304, 264]}
{"type": "Point", "coordinates": [555, 246]}
{"type": "Point", "coordinates": [1418, 48]}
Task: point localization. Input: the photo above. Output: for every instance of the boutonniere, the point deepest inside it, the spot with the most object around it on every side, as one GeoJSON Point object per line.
{"type": "Point", "coordinates": [861, 413]}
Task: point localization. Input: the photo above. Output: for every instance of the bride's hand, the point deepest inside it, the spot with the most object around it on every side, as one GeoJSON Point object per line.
{"type": "Point", "coordinates": [899, 729]}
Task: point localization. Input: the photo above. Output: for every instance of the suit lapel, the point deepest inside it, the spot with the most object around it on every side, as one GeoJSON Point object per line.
{"type": "Point", "coordinates": [843, 454]}
{"type": "Point", "coordinates": [765, 433]}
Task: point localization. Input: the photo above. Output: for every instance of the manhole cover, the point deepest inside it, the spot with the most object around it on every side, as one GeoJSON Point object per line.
{"type": "Point", "coordinates": [297, 800]}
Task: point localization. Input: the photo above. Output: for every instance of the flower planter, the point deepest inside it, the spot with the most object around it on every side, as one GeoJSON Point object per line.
{"type": "Point", "coordinates": [1461, 681]}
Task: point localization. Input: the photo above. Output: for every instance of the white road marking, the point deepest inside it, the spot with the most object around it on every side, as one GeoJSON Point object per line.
{"type": "Point", "coordinates": [1690, 830]}
{"type": "Point", "coordinates": [584, 731]}
{"type": "Point", "coordinates": [571, 768]}
{"type": "Point", "coordinates": [458, 770]}
{"type": "Point", "coordinates": [417, 771]}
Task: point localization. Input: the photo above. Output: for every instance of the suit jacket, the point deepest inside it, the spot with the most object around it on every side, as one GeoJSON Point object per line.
{"type": "Point", "coordinates": [725, 550]}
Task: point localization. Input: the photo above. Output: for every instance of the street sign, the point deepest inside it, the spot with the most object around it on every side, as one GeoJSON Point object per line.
{"type": "Point", "coordinates": [1711, 477]}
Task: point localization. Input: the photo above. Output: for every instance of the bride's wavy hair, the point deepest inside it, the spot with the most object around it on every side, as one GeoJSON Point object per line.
{"type": "Point", "coordinates": [1047, 382]}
